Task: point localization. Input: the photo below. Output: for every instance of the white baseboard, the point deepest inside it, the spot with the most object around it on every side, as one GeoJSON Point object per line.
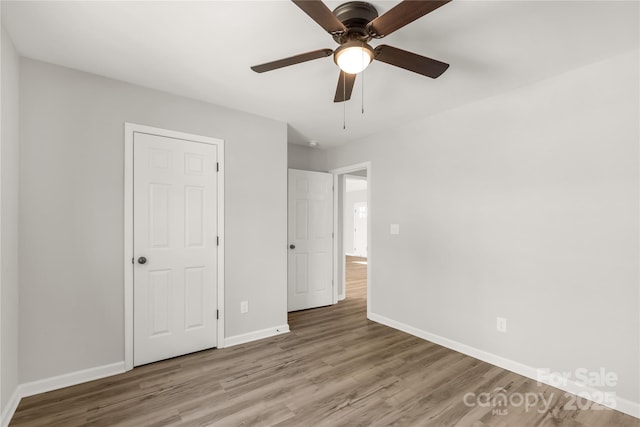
{"type": "Point", "coordinates": [10, 409]}
{"type": "Point", "coordinates": [72, 378]}
{"type": "Point", "coordinates": [60, 381]}
{"type": "Point", "coordinates": [628, 407]}
{"type": "Point", "coordinates": [623, 405]}
{"type": "Point", "coordinates": [256, 335]}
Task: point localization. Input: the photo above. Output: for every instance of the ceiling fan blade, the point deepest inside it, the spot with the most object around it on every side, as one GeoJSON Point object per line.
{"type": "Point", "coordinates": [320, 13]}
{"type": "Point", "coordinates": [297, 59]}
{"type": "Point", "coordinates": [410, 61]}
{"type": "Point", "coordinates": [345, 87]}
{"type": "Point", "coordinates": [402, 14]}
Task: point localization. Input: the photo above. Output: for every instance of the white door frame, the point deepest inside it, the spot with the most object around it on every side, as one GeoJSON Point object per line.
{"type": "Point", "coordinates": [339, 255]}
{"type": "Point", "coordinates": [129, 130]}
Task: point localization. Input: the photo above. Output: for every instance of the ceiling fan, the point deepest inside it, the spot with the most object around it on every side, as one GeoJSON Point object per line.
{"type": "Point", "coordinates": [352, 25]}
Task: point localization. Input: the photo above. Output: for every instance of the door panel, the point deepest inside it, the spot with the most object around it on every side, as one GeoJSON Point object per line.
{"type": "Point", "coordinates": [158, 301]}
{"type": "Point", "coordinates": [175, 229]}
{"type": "Point", "coordinates": [194, 213]}
{"type": "Point", "coordinates": [194, 297]}
{"type": "Point", "coordinates": [310, 267]}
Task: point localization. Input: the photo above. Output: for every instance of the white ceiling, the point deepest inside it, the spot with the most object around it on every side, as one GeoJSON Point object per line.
{"type": "Point", "coordinates": [203, 50]}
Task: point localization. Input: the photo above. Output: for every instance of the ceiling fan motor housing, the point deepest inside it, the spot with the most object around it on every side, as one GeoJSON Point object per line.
{"type": "Point", "coordinates": [355, 15]}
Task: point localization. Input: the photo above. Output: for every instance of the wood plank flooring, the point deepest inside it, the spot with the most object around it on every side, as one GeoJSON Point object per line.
{"type": "Point", "coordinates": [335, 368]}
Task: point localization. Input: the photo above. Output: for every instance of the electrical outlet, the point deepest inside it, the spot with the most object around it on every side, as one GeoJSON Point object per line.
{"type": "Point", "coordinates": [244, 306]}
{"type": "Point", "coordinates": [501, 324]}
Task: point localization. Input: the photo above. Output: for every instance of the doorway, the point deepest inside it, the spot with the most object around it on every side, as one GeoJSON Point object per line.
{"type": "Point", "coordinates": [173, 244]}
{"type": "Point", "coordinates": [352, 228]}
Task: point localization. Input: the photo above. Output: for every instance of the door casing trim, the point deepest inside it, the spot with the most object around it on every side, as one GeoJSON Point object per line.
{"type": "Point", "coordinates": [129, 130]}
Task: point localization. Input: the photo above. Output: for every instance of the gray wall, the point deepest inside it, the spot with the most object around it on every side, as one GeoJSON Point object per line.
{"type": "Point", "coordinates": [525, 206]}
{"type": "Point", "coordinates": [306, 158]}
{"type": "Point", "coordinates": [71, 230]}
{"type": "Point", "coordinates": [9, 223]}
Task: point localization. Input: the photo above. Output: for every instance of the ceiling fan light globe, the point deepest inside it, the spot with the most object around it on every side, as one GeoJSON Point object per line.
{"type": "Point", "coordinates": [353, 58]}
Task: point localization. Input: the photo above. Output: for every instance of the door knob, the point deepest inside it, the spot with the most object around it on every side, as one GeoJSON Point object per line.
{"type": "Point", "coordinates": [142, 260]}
{"type": "Point", "coordinates": [292, 246]}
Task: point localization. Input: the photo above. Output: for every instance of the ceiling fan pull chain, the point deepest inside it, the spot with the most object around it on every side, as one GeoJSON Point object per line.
{"type": "Point", "coordinates": [344, 102]}
{"type": "Point", "coordinates": [363, 68]}
{"type": "Point", "coordinates": [362, 91]}
{"type": "Point", "coordinates": [344, 115]}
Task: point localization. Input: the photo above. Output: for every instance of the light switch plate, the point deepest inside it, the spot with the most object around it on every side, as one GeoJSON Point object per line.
{"type": "Point", "coordinates": [395, 228]}
{"type": "Point", "coordinates": [501, 324]}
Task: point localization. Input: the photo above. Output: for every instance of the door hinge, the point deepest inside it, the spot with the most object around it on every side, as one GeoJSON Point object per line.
{"type": "Point", "coordinates": [217, 314]}
{"type": "Point", "coordinates": [133, 260]}
{"type": "Point", "coordinates": [217, 240]}
{"type": "Point", "coordinates": [217, 167]}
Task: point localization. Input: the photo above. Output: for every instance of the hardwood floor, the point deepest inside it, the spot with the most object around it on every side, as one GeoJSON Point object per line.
{"type": "Point", "coordinates": [356, 278]}
{"type": "Point", "coordinates": [335, 368]}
